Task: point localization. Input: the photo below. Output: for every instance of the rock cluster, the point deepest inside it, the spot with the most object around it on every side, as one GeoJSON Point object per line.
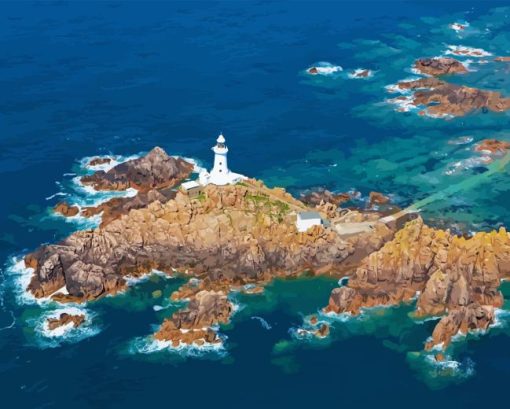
{"type": "Point", "coordinates": [99, 161]}
{"type": "Point", "coordinates": [439, 66]}
{"type": "Point", "coordinates": [156, 170]}
{"type": "Point", "coordinates": [446, 272]}
{"type": "Point", "coordinates": [445, 99]}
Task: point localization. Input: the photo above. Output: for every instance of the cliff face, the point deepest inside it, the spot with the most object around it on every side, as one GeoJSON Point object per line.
{"type": "Point", "coordinates": [450, 274]}
{"type": "Point", "coordinates": [155, 170]}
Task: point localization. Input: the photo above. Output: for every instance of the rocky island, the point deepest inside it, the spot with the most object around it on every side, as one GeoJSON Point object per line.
{"type": "Point", "coordinates": [239, 237]}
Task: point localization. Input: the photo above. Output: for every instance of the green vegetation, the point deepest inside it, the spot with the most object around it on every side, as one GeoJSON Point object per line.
{"type": "Point", "coordinates": [275, 208]}
{"type": "Point", "coordinates": [201, 197]}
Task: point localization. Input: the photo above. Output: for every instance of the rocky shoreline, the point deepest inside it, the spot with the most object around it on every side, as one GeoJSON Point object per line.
{"type": "Point", "coordinates": [240, 237]}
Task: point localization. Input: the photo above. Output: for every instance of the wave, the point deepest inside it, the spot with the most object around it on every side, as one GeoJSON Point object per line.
{"type": "Point", "coordinates": [459, 27]}
{"type": "Point", "coordinates": [150, 345]}
{"type": "Point", "coordinates": [463, 51]}
{"type": "Point", "coordinates": [263, 322]}
{"type": "Point", "coordinates": [461, 140]}
{"type": "Point", "coordinates": [324, 68]}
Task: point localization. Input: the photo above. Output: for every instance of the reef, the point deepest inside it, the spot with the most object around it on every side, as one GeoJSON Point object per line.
{"type": "Point", "coordinates": [65, 209]}
{"type": "Point", "coordinates": [440, 99]}
{"type": "Point", "coordinates": [449, 275]}
{"type": "Point", "coordinates": [439, 66]}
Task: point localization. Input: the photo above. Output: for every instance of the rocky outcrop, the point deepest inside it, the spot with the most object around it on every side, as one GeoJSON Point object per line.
{"type": "Point", "coordinates": [316, 197]}
{"type": "Point", "coordinates": [116, 207]}
{"type": "Point", "coordinates": [377, 198]}
{"type": "Point", "coordinates": [313, 71]}
{"type": "Point", "coordinates": [439, 66]}
{"type": "Point", "coordinates": [156, 170]}
{"type": "Point", "coordinates": [502, 59]}
{"type": "Point", "coordinates": [193, 325]}
{"type": "Point", "coordinates": [100, 161]}
{"type": "Point", "coordinates": [442, 99]}
{"type": "Point", "coordinates": [461, 321]}
{"type": "Point", "coordinates": [446, 273]}
{"type": "Point", "coordinates": [66, 209]}
{"type": "Point", "coordinates": [65, 319]}
{"type": "Point", "coordinates": [236, 233]}
{"type": "Point", "coordinates": [493, 146]}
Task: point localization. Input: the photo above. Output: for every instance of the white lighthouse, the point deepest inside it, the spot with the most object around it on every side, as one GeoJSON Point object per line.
{"type": "Point", "coordinates": [220, 173]}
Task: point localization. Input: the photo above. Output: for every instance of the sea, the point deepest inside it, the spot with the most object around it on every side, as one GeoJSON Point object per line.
{"type": "Point", "coordinates": [82, 79]}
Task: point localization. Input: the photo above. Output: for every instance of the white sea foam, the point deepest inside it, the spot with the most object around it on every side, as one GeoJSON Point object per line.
{"type": "Point", "coordinates": [465, 164]}
{"type": "Point", "coordinates": [463, 51]}
{"type": "Point", "coordinates": [459, 27]}
{"type": "Point", "coordinates": [263, 322]}
{"type": "Point", "coordinates": [68, 333]}
{"type": "Point", "coordinates": [325, 68]}
{"type": "Point", "coordinates": [21, 277]}
{"type": "Point", "coordinates": [150, 345]}
{"type": "Point", "coordinates": [461, 140]}
{"type": "Point", "coordinates": [56, 195]}
{"type": "Point", "coordinates": [357, 74]}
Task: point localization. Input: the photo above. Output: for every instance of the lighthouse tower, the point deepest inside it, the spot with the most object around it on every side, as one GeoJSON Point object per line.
{"type": "Point", "coordinates": [220, 173]}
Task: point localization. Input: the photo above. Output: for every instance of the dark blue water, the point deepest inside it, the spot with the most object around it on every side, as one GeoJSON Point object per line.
{"type": "Point", "coordinates": [83, 78]}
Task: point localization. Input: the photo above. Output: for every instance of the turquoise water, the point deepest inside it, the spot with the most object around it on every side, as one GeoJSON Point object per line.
{"type": "Point", "coordinates": [82, 79]}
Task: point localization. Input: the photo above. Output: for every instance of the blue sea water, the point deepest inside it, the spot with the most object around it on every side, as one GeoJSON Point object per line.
{"type": "Point", "coordinates": [79, 79]}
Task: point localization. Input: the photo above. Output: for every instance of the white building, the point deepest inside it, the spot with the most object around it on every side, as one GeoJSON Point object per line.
{"type": "Point", "coordinates": [305, 220]}
{"type": "Point", "coordinates": [220, 174]}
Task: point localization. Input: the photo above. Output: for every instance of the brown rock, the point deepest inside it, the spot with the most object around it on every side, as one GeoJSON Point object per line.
{"type": "Point", "coordinates": [313, 70]}
{"type": "Point", "coordinates": [156, 170]}
{"type": "Point", "coordinates": [316, 197]}
{"type": "Point", "coordinates": [493, 146]}
{"type": "Point", "coordinates": [439, 66]}
{"type": "Point", "coordinates": [463, 319]}
{"type": "Point", "coordinates": [99, 161]}
{"type": "Point", "coordinates": [502, 59]}
{"type": "Point", "coordinates": [377, 198]}
{"type": "Point", "coordinates": [66, 209]}
{"type": "Point", "coordinates": [443, 99]}
{"type": "Point", "coordinates": [313, 320]}
{"type": "Point", "coordinates": [65, 319]}
{"type": "Point", "coordinates": [323, 331]}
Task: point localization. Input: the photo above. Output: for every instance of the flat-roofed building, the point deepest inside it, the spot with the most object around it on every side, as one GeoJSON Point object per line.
{"type": "Point", "coordinates": [192, 188]}
{"type": "Point", "coordinates": [305, 220]}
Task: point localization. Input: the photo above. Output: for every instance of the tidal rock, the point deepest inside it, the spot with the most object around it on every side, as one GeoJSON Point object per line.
{"type": "Point", "coordinates": [502, 59]}
{"type": "Point", "coordinates": [461, 320]}
{"type": "Point", "coordinates": [439, 66]}
{"type": "Point", "coordinates": [99, 161]}
{"type": "Point", "coordinates": [156, 170]}
{"type": "Point", "coordinates": [442, 99]}
{"type": "Point", "coordinates": [376, 198]}
{"type": "Point", "coordinates": [66, 210]}
{"type": "Point", "coordinates": [493, 146]}
{"type": "Point", "coordinates": [316, 197]}
{"type": "Point", "coordinates": [64, 319]}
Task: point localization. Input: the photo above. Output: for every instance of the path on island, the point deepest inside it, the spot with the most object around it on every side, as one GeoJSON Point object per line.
{"type": "Point", "coordinates": [497, 166]}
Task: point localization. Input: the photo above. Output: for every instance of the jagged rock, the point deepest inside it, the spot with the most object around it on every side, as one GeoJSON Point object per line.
{"type": "Point", "coordinates": [99, 161]}
{"type": "Point", "coordinates": [155, 170]}
{"type": "Point", "coordinates": [66, 210]}
{"type": "Point", "coordinates": [439, 66]}
{"type": "Point", "coordinates": [464, 319]}
{"type": "Point", "coordinates": [116, 207]}
{"type": "Point", "coordinates": [323, 331]}
{"type": "Point", "coordinates": [193, 324]}
{"type": "Point", "coordinates": [64, 319]}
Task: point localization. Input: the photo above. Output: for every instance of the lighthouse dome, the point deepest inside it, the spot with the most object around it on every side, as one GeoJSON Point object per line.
{"type": "Point", "coordinates": [221, 139]}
